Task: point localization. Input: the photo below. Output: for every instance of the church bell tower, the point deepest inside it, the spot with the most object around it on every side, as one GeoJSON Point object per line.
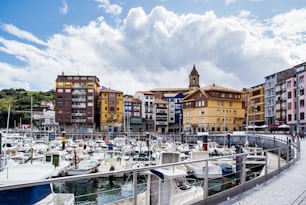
{"type": "Point", "coordinates": [194, 78]}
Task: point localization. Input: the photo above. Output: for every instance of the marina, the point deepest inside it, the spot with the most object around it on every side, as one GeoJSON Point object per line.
{"type": "Point", "coordinates": [107, 177]}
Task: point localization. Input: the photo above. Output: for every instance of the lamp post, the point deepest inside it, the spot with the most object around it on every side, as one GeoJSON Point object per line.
{"type": "Point", "coordinates": [247, 125]}
{"type": "Point", "coordinates": [182, 137]}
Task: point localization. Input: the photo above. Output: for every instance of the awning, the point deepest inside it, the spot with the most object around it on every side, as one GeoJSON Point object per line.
{"type": "Point", "coordinates": [273, 126]}
{"type": "Point", "coordinates": [284, 126]}
{"type": "Point", "coordinates": [252, 126]}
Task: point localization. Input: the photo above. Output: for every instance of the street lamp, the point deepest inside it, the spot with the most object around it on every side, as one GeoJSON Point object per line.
{"type": "Point", "coordinates": [182, 137]}
{"type": "Point", "coordinates": [247, 125]}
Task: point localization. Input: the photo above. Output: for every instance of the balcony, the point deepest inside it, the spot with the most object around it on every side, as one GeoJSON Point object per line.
{"type": "Point", "coordinates": [79, 106]}
{"type": "Point", "coordinates": [161, 123]}
{"type": "Point", "coordinates": [79, 86]}
{"type": "Point", "coordinates": [78, 99]}
{"type": "Point", "coordinates": [161, 111]}
{"type": "Point", "coordinates": [78, 120]}
{"type": "Point", "coordinates": [77, 92]}
{"type": "Point", "coordinates": [78, 114]}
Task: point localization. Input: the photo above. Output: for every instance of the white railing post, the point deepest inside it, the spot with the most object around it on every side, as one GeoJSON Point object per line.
{"type": "Point", "coordinates": [135, 187]}
{"type": "Point", "coordinates": [206, 181]}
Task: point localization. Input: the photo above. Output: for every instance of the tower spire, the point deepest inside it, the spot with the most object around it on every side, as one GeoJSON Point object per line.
{"type": "Point", "coordinates": [194, 78]}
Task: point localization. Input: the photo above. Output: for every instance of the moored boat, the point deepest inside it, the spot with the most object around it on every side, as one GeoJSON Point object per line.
{"type": "Point", "coordinates": [36, 194]}
{"type": "Point", "coordinates": [85, 167]}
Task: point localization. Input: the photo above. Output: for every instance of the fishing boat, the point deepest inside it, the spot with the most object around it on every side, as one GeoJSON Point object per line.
{"type": "Point", "coordinates": [84, 167]}
{"type": "Point", "coordinates": [166, 187]}
{"type": "Point", "coordinates": [37, 194]}
{"type": "Point", "coordinates": [198, 169]}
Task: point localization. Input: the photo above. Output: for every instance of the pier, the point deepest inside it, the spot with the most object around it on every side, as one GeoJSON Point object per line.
{"type": "Point", "coordinates": [286, 188]}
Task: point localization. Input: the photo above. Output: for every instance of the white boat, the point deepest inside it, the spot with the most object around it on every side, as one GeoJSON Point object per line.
{"type": "Point", "coordinates": [198, 169]}
{"type": "Point", "coordinates": [166, 187]}
{"type": "Point", "coordinates": [37, 194]}
{"type": "Point", "coordinates": [85, 167]}
{"type": "Point", "coordinates": [113, 160]}
{"type": "Point", "coordinates": [57, 159]}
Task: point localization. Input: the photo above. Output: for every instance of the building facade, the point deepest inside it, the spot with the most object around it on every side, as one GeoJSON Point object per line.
{"type": "Point", "coordinates": [76, 103]}
{"type": "Point", "coordinates": [213, 109]}
{"type": "Point", "coordinates": [275, 95]}
{"type": "Point", "coordinates": [175, 111]}
{"type": "Point", "coordinates": [147, 106]}
{"type": "Point", "coordinates": [296, 103]}
{"type": "Point", "coordinates": [132, 115]}
{"type": "Point", "coordinates": [161, 116]}
{"type": "Point", "coordinates": [256, 107]}
{"type": "Point", "coordinates": [111, 111]}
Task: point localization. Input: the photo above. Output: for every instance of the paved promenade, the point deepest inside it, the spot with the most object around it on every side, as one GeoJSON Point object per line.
{"type": "Point", "coordinates": [287, 188]}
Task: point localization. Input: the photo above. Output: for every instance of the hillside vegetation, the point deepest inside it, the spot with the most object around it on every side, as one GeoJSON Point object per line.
{"type": "Point", "coordinates": [19, 101]}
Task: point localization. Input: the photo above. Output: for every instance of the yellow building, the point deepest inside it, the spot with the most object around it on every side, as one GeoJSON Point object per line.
{"type": "Point", "coordinates": [213, 109]}
{"type": "Point", "coordinates": [111, 110]}
{"type": "Point", "coordinates": [257, 105]}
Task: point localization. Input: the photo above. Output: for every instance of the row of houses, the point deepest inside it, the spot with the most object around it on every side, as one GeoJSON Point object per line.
{"type": "Point", "coordinates": [83, 105]}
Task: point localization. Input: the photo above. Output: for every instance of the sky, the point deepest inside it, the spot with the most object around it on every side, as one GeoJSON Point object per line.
{"type": "Point", "coordinates": [138, 45]}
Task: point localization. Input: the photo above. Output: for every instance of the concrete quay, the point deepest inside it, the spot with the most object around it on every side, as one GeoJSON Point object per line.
{"type": "Point", "coordinates": [289, 187]}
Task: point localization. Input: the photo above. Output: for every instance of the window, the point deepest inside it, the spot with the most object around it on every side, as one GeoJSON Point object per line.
{"type": "Point", "coordinates": [289, 84]}
{"type": "Point", "coordinates": [289, 117]}
{"type": "Point", "coordinates": [112, 95]}
{"type": "Point", "coordinates": [90, 90]}
{"type": "Point", "coordinates": [302, 103]}
{"type": "Point", "coordinates": [301, 91]}
{"type": "Point", "coordinates": [68, 90]}
{"type": "Point", "coordinates": [302, 116]}
{"type": "Point", "coordinates": [289, 106]}
{"type": "Point", "coordinates": [90, 104]}
{"type": "Point", "coordinates": [68, 83]}
{"type": "Point", "coordinates": [289, 95]}
{"type": "Point", "coordinates": [59, 90]}
{"type": "Point", "coordinates": [301, 79]}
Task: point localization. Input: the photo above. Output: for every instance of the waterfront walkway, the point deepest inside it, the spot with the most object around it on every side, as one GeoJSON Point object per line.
{"type": "Point", "coordinates": [287, 188]}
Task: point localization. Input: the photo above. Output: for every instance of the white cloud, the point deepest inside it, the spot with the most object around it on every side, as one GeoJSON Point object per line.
{"type": "Point", "coordinates": [64, 8]}
{"type": "Point", "coordinates": [158, 49]}
{"type": "Point", "coordinates": [20, 33]}
{"type": "Point", "coordinates": [228, 2]}
{"type": "Point", "coordinates": [109, 8]}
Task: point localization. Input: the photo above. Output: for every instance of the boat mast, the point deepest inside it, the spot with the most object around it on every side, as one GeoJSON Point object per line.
{"type": "Point", "coordinates": [8, 118]}
{"type": "Point", "coordinates": [31, 116]}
